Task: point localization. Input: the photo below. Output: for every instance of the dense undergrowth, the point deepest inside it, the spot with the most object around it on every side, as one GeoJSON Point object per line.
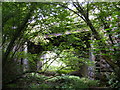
{"type": "Point", "coordinates": [33, 80]}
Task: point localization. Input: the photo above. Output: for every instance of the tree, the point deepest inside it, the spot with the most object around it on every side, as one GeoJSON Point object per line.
{"type": "Point", "coordinates": [24, 22]}
{"type": "Point", "coordinates": [12, 31]}
{"type": "Point", "coordinates": [83, 13]}
{"type": "Point", "coordinates": [48, 26]}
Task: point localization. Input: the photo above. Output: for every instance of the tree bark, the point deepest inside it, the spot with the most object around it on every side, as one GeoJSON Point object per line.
{"type": "Point", "coordinates": [97, 37]}
{"type": "Point", "coordinates": [17, 35]}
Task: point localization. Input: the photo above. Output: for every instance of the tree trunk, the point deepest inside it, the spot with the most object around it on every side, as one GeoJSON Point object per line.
{"type": "Point", "coordinates": [17, 35]}
{"type": "Point", "coordinates": [97, 37]}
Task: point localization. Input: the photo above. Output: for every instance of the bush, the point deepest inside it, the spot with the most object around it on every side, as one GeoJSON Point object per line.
{"type": "Point", "coordinates": [41, 86]}
{"type": "Point", "coordinates": [113, 81]}
{"type": "Point", "coordinates": [66, 82]}
{"type": "Point", "coordinates": [72, 82]}
{"type": "Point", "coordinates": [59, 82]}
{"type": "Point", "coordinates": [64, 71]}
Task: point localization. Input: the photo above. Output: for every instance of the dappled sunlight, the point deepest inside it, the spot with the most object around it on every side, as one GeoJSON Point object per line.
{"type": "Point", "coordinates": [51, 58]}
{"type": "Point", "coordinates": [60, 45]}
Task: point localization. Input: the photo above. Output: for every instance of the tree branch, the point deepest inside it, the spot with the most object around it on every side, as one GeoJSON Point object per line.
{"type": "Point", "coordinates": [17, 34]}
